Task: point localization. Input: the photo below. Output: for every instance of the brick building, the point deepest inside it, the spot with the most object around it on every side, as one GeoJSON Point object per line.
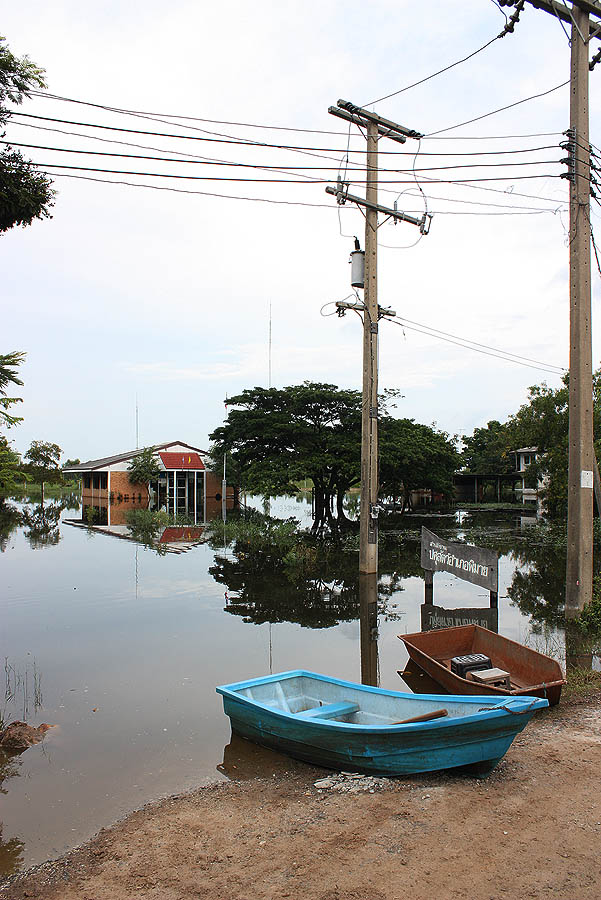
{"type": "Point", "coordinates": [184, 487]}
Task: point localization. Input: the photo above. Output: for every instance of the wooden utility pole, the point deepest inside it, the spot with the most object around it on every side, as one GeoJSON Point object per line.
{"type": "Point", "coordinates": [376, 127]}
{"type": "Point", "coordinates": [579, 570]}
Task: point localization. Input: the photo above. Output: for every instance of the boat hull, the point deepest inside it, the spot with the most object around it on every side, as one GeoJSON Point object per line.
{"type": "Point", "coordinates": [478, 740]}
{"type": "Point", "coordinates": [540, 675]}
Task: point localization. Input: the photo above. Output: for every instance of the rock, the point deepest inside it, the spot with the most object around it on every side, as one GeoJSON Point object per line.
{"type": "Point", "coordinates": [18, 736]}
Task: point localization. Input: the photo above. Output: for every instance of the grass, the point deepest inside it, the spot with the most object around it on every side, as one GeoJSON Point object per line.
{"type": "Point", "coordinates": [582, 684]}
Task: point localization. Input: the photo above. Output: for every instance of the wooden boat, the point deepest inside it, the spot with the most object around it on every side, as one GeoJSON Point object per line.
{"type": "Point", "coordinates": [343, 725]}
{"type": "Point", "coordinates": [530, 673]}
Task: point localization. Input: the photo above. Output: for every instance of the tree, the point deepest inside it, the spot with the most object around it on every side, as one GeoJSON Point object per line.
{"type": "Point", "coordinates": [144, 467]}
{"type": "Point", "coordinates": [488, 450]}
{"type": "Point", "coordinates": [11, 479]}
{"type": "Point", "coordinates": [43, 463]}
{"type": "Point", "coordinates": [415, 456]}
{"type": "Point", "coordinates": [25, 193]}
{"type": "Point", "coordinates": [8, 375]}
{"type": "Point", "coordinates": [280, 436]}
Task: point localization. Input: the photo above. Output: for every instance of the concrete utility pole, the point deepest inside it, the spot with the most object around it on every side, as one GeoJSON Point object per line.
{"type": "Point", "coordinates": [579, 570]}
{"type": "Point", "coordinates": [376, 127]}
{"type": "Point", "coordinates": [368, 536]}
{"type": "Point", "coordinates": [582, 465]}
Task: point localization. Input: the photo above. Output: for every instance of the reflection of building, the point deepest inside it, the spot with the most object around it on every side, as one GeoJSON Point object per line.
{"type": "Point", "coordinates": [184, 487]}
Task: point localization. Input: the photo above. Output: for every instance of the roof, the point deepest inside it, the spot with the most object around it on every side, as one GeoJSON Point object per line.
{"type": "Point", "coordinates": [526, 450]}
{"type": "Point", "coordinates": [105, 461]}
{"type": "Point", "coordinates": [188, 460]}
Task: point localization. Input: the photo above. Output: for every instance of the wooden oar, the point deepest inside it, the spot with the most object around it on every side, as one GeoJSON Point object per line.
{"type": "Point", "coordinates": [435, 714]}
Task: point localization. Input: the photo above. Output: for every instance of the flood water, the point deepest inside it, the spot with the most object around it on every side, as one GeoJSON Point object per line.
{"type": "Point", "coordinates": [120, 648]}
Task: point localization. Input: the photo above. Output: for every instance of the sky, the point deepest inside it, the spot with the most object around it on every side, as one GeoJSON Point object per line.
{"type": "Point", "coordinates": [168, 298]}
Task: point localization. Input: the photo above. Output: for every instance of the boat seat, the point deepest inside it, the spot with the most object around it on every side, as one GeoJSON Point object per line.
{"type": "Point", "coordinates": [329, 710]}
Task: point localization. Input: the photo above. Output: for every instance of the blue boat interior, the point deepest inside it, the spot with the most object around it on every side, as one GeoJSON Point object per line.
{"type": "Point", "coordinates": [310, 697]}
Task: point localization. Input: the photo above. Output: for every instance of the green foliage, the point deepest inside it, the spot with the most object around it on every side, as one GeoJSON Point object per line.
{"type": "Point", "coordinates": [541, 422]}
{"type": "Point", "coordinates": [11, 478]}
{"type": "Point", "coordinates": [25, 193]}
{"type": "Point", "coordinates": [144, 467]}
{"type": "Point", "coordinates": [9, 362]}
{"type": "Point", "coordinates": [488, 450]}
{"type": "Point", "coordinates": [43, 460]}
{"type": "Point", "coordinates": [146, 526]}
{"type": "Point", "coordinates": [277, 438]}
{"type": "Point", "coordinates": [415, 456]}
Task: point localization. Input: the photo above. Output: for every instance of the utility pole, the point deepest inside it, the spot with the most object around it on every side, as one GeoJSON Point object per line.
{"type": "Point", "coordinates": [375, 127]}
{"type": "Point", "coordinates": [581, 465]}
{"type": "Point", "coordinates": [579, 570]}
{"type": "Point", "coordinates": [368, 532]}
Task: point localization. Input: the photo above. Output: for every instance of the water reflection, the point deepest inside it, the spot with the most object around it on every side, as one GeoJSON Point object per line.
{"type": "Point", "coordinates": [41, 523]}
{"type": "Point", "coordinates": [12, 849]}
{"type": "Point", "coordinates": [126, 613]}
{"type": "Point", "coordinates": [368, 613]}
{"type": "Point", "coordinates": [10, 519]}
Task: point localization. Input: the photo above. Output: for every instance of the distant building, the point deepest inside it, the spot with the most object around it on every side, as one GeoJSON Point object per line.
{"type": "Point", "coordinates": [184, 487]}
{"type": "Point", "coordinates": [524, 457]}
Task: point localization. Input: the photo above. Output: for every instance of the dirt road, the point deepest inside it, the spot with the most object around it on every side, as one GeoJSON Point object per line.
{"type": "Point", "coordinates": [531, 830]}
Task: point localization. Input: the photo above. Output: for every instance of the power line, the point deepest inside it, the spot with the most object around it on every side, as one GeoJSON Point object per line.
{"type": "Point", "coordinates": [144, 113]}
{"type": "Point", "coordinates": [197, 161]}
{"type": "Point", "coordinates": [479, 344]}
{"type": "Point", "coordinates": [93, 137]}
{"type": "Point", "coordinates": [506, 30]}
{"type": "Point", "coordinates": [500, 109]}
{"type": "Point", "coordinates": [467, 346]}
{"type": "Point", "coordinates": [329, 206]}
{"type": "Point", "coordinates": [46, 165]}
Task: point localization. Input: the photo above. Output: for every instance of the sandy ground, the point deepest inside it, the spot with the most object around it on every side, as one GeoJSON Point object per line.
{"type": "Point", "coordinates": [530, 830]}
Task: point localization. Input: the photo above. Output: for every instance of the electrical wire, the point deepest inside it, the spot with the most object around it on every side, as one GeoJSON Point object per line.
{"type": "Point", "coordinates": [557, 370]}
{"type": "Point", "coordinates": [137, 112]}
{"type": "Point", "coordinates": [478, 343]}
{"type": "Point", "coordinates": [157, 187]}
{"type": "Point", "coordinates": [500, 109]}
{"type": "Point", "coordinates": [47, 165]}
{"type": "Point", "coordinates": [457, 62]}
{"type": "Point", "coordinates": [199, 161]}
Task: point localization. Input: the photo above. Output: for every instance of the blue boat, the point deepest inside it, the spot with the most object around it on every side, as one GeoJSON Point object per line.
{"type": "Point", "coordinates": [342, 725]}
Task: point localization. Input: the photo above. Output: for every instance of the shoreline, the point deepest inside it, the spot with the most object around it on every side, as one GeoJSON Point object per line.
{"type": "Point", "coordinates": [532, 828]}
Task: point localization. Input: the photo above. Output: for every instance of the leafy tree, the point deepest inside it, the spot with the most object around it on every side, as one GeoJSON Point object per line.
{"type": "Point", "coordinates": [8, 375]}
{"type": "Point", "coordinates": [144, 467]}
{"type": "Point", "coordinates": [25, 193]}
{"type": "Point", "coordinates": [11, 478]}
{"type": "Point", "coordinates": [488, 450]}
{"type": "Point", "coordinates": [42, 465]}
{"type": "Point", "coordinates": [415, 456]}
{"type": "Point", "coordinates": [280, 436]}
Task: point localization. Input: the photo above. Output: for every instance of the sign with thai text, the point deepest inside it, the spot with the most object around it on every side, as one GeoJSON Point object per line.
{"type": "Point", "coordinates": [472, 564]}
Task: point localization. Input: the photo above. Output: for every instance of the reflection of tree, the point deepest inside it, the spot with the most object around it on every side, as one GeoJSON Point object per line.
{"type": "Point", "coordinates": [10, 519]}
{"type": "Point", "coordinates": [42, 523]}
{"type": "Point", "coordinates": [11, 850]}
{"type": "Point", "coordinates": [309, 580]}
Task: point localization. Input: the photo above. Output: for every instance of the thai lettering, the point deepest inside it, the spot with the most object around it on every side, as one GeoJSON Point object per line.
{"type": "Point", "coordinates": [445, 558]}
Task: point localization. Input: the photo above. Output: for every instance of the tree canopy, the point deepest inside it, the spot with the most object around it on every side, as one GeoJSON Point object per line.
{"type": "Point", "coordinates": [144, 467]}
{"type": "Point", "coordinates": [541, 422]}
{"type": "Point", "coordinates": [25, 193]}
{"type": "Point", "coordinates": [42, 463]}
{"type": "Point", "coordinates": [276, 437]}
{"type": "Point", "coordinates": [9, 362]}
